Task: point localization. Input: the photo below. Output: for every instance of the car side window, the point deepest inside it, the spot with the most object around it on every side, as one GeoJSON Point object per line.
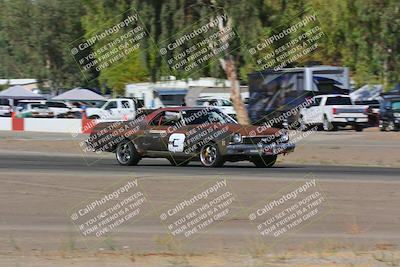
{"type": "Point", "coordinates": [171, 118]}
{"type": "Point", "coordinates": [21, 106]}
{"type": "Point", "coordinates": [395, 105]}
{"type": "Point", "coordinates": [164, 119]}
{"type": "Point", "coordinates": [56, 105]}
{"type": "Point", "coordinates": [226, 103]}
{"type": "Point", "coordinates": [316, 102]}
{"type": "Point", "coordinates": [111, 105]}
{"type": "Point", "coordinates": [125, 104]}
{"type": "Point", "coordinates": [213, 102]}
{"type": "Point", "coordinates": [156, 120]}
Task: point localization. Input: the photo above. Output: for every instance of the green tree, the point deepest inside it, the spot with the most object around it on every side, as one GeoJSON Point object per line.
{"type": "Point", "coordinates": [34, 41]}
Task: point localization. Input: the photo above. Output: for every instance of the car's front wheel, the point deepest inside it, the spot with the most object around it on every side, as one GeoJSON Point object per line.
{"type": "Point", "coordinates": [210, 156]}
{"type": "Point", "coordinates": [359, 128]}
{"type": "Point", "coordinates": [303, 126]}
{"type": "Point", "coordinates": [265, 161]}
{"type": "Point", "coordinates": [126, 153]}
{"type": "Point", "coordinates": [382, 126]}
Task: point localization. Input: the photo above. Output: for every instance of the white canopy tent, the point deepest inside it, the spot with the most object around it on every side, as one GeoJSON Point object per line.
{"type": "Point", "coordinates": [79, 94]}
{"type": "Point", "coordinates": [19, 92]}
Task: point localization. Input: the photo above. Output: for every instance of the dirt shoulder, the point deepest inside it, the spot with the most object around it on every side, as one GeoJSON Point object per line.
{"type": "Point", "coordinates": [323, 258]}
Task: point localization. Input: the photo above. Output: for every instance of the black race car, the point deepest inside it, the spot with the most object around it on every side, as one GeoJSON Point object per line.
{"type": "Point", "coordinates": [184, 134]}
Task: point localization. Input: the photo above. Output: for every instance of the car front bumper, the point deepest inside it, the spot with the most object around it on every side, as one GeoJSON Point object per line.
{"type": "Point", "coordinates": [254, 150]}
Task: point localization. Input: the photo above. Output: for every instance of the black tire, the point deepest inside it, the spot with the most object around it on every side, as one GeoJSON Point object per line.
{"type": "Point", "coordinates": [126, 153]}
{"type": "Point", "coordinates": [94, 117]}
{"type": "Point", "coordinates": [302, 125]}
{"type": "Point", "coordinates": [265, 161]}
{"type": "Point", "coordinates": [328, 126]}
{"type": "Point", "coordinates": [179, 163]}
{"type": "Point", "coordinates": [382, 126]}
{"type": "Point", "coordinates": [392, 127]}
{"type": "Point", "coordinates": [210, 156]}
{"type": "Point", "coordinates": [358, 128]}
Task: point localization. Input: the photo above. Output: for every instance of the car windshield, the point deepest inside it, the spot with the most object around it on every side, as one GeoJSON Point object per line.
{"type": "Point", "coordinates": [338, 101]}
{"type": "Point", "coordinates": [193, 117]}
{"type": "Point", "coordinates": [207, 102]}
{"type": "Point", "coordinates": [41, 106]}
{"type": "Point", "coordinates": [396, 105]}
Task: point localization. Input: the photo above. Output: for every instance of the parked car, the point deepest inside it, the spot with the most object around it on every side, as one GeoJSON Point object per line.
{"type": "Point", "coordinates": [5, 111]}
{"type": "Point", "coordinates": [184, 134]}
{"type": "Point", "coordinates": [333, 111]}
{"type": "Point", "coordinates": [33, 110]}
{"type": "Point", "coordinates": [114, 109]}
{"type": "Point", "coordinates": [63, 109]}
{"type": "Point", "coordinates": [389, 114]}
{"type": "Point", "coordinates": [222, 103]}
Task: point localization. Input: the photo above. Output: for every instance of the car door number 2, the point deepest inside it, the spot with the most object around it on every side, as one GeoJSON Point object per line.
{"type": "Point", "coordinates": [176, 142]}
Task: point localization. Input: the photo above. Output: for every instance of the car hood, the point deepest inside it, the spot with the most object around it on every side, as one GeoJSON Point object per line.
{"type": "Point", "coordinates": [252, 130]}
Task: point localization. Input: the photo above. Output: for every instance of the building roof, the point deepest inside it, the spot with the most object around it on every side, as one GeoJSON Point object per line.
{"type": "Point", "coordinates": [180, 84]}
{"type": "Point", "coordinates": [19, 92]}
{"type": "Point", "coordinates": [79, 94]}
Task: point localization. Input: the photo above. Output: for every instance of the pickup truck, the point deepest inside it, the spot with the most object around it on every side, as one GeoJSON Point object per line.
{"type": "Point", "coordinates": [223, 104]}
{"type": "Point", "coordinates": [114, 109]}
{"type": "Point", "coordinates": [332, 111]}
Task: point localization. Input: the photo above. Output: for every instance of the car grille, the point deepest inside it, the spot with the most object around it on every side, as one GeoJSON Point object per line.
{"type": "Point", "coordinates": [255, 140]}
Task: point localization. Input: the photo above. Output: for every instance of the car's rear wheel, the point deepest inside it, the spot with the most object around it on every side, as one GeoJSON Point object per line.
{"type": "Point", "coordinates": [327, 125]}
{"type": "Point", "coordinates": [210, 156]}
{"type": "Point", "coordinates": [175, 162]}
{"type": "Point", "coordinates": [265, 161]}
{"type": "Point", "coordinates": [382, 126]}
{"type": "Point", "coordinates": [392, 127]}
{"type": "Point", "coordinates": [358, 128]}
{"type": "Point", "coordinates": [126, 153]}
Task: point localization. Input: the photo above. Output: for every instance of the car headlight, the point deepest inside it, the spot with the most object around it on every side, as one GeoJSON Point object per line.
{"type": "Point", "coordinates": [397, 115]}
{"type": "Point", "coordinates": [284, 137]}
{"type": "Point", "coordinates": [237, 138]}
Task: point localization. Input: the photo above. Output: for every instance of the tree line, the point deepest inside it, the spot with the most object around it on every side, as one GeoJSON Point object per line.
{"type": "Point", "coordinates": [36, 37]}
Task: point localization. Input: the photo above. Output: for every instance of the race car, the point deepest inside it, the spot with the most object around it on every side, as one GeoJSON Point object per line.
{"type": "Point", "coordinates": [184, 134]}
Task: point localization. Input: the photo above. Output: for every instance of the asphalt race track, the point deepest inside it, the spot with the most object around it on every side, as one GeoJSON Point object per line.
{"type": "Point", "coordinates": [158, 167]}
{"type": "Point", "coordinates": [40, 190]}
